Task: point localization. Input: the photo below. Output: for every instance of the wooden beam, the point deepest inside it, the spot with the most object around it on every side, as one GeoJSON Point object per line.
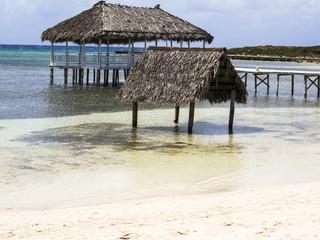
{"type": "Point", "coordinates": [221, 49]}
{"type": "Point", "coordinates": [135, 114]}
{"type": "Point", "coordinates": [231, 116]}
{"type": "Point", "coordinates": [176, 114]}
{"type": "Point", "coordinates": [191, 117]}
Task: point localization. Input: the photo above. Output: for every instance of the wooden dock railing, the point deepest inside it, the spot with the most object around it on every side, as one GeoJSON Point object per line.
{"type": "Point", "coordinates": [262, 76]}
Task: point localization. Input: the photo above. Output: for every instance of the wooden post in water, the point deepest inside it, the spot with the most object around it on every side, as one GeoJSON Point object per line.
{"type": "Point", "coordinates": [176, 114]}
{"type": "Point", "coordinates": [135, 114]}
{"type": "Point", "coordinates": [191, 117]}
{"type": "Point", "coordinates": [231, 116]}
{"type": "Point", "coordinates": [305, 86]}
{"type": "Point", "coordinates": [268, 84]}
{"type": "Point", "coordinates": [51, 64]}
{"type": "Point", "coordinates": [278, 79]}
{"type": "Point", "coordinates": [255, 84]}
{"type": "Point", "coordinates": [66, 76]}
{"type": "Point", "coordinates": [51, 75]}
{"type": "Point", "coordinates": [76, 76]}
{"type": "Point", "coordinates": [98, 77]}
{"type": "Point", "coordinates": [73, 75]}
{"type": "Point", "coordinates": [88, 71]}
{"type": "Point", "coordinates": [292, 84]}
{"type": "Point", "coordinates": [318, 86]}
{"type": "Point", "coordinates": [81, 73]}
{"type": "Point", "coordinates": [106, 76]}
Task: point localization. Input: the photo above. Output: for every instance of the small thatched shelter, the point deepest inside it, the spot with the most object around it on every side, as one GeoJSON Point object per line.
{"type": "Point", "coordinates": [182, 75]}
{"type": "Point", "coordinates": [116, 23]}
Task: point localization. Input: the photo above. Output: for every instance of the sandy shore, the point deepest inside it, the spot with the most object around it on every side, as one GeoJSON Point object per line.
{"type": "Point", "coordinates": [273, 212]}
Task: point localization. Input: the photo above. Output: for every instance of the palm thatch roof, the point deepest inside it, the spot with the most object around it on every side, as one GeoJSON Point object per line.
{"type": "Point", "coordinates": [182, 75]}
{"type": "Point", "coordinates": [120, 23]}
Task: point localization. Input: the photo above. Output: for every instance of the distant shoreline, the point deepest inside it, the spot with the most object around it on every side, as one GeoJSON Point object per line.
{"type": "Point", "coordinates": [274, 58]}
{"type": "Point", "coordinates": [277, 53]}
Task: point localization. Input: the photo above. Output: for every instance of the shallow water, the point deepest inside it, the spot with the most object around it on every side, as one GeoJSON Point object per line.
{"type": "Point", "coordinates": [73, 145]}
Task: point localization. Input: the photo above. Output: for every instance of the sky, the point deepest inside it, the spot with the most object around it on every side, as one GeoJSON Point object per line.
{"type": "Point", "coordinates": [233, 23]}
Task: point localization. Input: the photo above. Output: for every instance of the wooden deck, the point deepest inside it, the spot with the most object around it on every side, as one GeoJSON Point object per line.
{"type": "Point", "coordinates": [262, 76]}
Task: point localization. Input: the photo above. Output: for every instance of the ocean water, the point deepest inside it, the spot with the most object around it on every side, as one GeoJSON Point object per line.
{"type": "Point", "coordinates": [67, 145]}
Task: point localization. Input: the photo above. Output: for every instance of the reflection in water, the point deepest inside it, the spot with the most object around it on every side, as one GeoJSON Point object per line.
{"type": "Point", "coordinates": [114, 161]}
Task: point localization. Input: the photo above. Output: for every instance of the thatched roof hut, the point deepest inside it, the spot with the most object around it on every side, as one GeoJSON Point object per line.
{"type": "Point", "coordinates": [182, 75]}
{"type": "Point", "coordinates": [117, 23]}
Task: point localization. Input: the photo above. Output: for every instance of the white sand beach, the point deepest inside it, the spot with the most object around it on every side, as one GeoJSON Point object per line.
{"type": "Point", "coordinates": [273, 212]}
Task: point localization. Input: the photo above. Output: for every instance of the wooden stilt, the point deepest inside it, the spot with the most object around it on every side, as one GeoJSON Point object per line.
{"type": "Point", "coordinates": [88, 72]}
{"type": "Point", "coordinates": [305, 86]}
{"type": "Point", "coordinates": [292, 84]}
{"type": "Point", "coordinates": [94, 75]}
{"type": "Point", "coordinates": [98, 77]}
{"type": "Point", "coordinates": [105, 77]}
{"type": "Point", "coordinates": [255, 84]}
{"type": "Point", "coordinates": [191, 117]}
{"type": "Point", "coordinates": [76, 76]}
{"type": "Point", "coordinates": [81, 73]}
{"type": "Point", "coordinates": [66, 76]}
{"type": "Point", "coordinates": [51, 75]}
{"type": "Point", "coordinates": [135, 114]}
{"type": "Point", "coordinates": [73, 76]}
{"type": "Point", "coordinates": [318, 86]}
{"type": "Point", "coordinates": [176, 114]}
{"type": "Point", "coordinates": [231, 116]}
{"type": "Point", "coordinates": [278, 79]}
{"type": "Point", "coordinates": [117, 77]}
{"type": "Point", "coordinates": [268, 84]}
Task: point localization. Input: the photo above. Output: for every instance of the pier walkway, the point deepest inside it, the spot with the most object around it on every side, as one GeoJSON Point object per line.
{"type": "Point", "coordinates": [262, 76]}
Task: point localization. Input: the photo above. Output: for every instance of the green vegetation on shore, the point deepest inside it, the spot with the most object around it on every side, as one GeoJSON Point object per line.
{"type": "Point", "coordinates": [277, 53]}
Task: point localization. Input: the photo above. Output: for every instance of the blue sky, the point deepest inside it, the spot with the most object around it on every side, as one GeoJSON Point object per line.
{"type": "Point", "coordinates": [233, 23]}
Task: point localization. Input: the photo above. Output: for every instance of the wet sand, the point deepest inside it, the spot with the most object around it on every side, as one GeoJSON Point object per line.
{"type": "Point", "coordinates": [273, 212]}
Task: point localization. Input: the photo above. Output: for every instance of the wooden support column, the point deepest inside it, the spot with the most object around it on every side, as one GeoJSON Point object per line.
{"type": "Point", "coordinates": [106, 77]}
{"type": "Point", "coordinates": [255, 84]}
{"type": "Point", "coordinates": [76, 76]}
{"type": "Point", "coordinates": [73, 76]}
{"type": "Point", "coordinates": [176, 114]}
{"type": "Point", "coordinates": [292, 84]}
{"type": "Point", "coordinates": [191, 117]}
{"type": "Point", "coordinates": [51, 75]}
{"type": "Point", "coordinates": [318, 86]}
{"type": "Point", "coordinates": [98, 77]}
{"type": "Point", "coordinates": [88, 72]}
{"type": "Point", "coordinates": [51, 64]}
{"type": "Point", "coordinates": [231, 116]}
{"type": "Point", "coordinates": [305, 86]}
{"type": "Point", "coordinates": [278, 80]}
{"type": "Point", "coordinates": [135, 114]}
{"type": "Point", "coordinates": [81, 73]}
{"type": "Point", "coordinates": [94, 75]}
{"type": "Point", "coordinates": [66, 76]}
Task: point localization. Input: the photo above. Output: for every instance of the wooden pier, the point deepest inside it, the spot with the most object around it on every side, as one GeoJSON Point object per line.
{"type": "Point", "coordinates": [262, 77]}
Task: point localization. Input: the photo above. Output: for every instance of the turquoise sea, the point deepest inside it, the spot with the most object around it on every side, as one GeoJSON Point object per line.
{"type": "Point", "coordinates": [66, 145]}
